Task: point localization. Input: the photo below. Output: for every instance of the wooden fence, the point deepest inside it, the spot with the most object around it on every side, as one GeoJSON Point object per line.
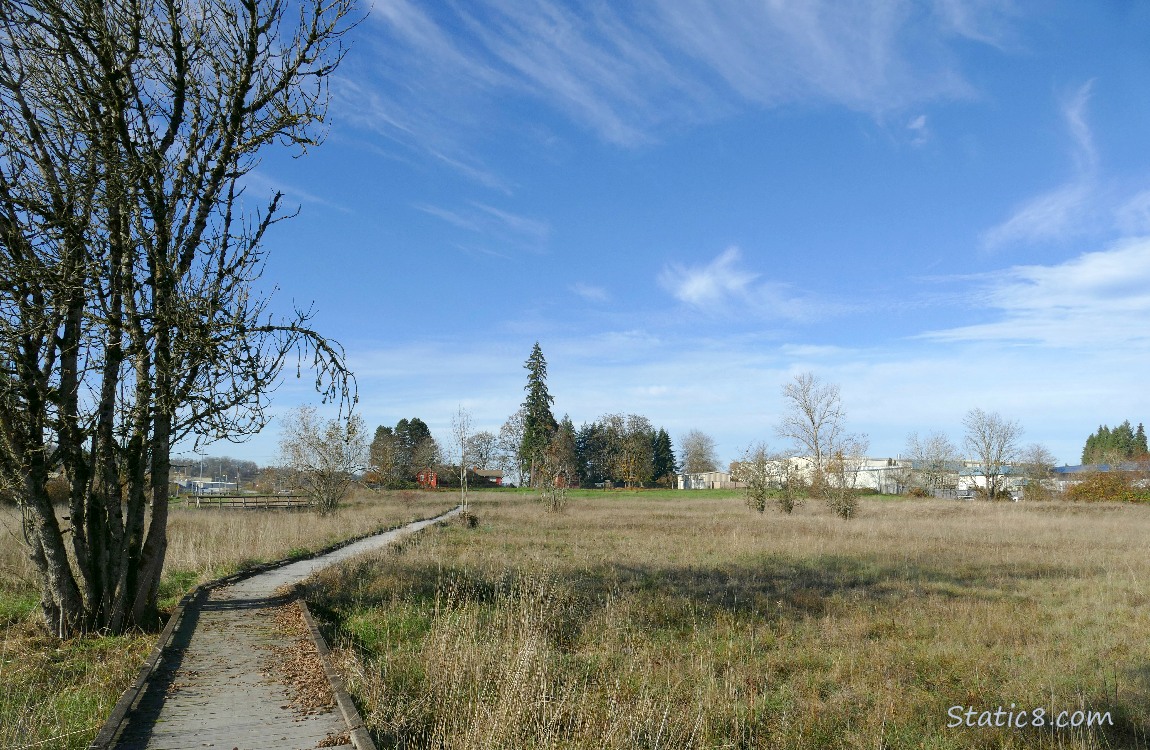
{"type": "Point", "coordinates": [248, 502]}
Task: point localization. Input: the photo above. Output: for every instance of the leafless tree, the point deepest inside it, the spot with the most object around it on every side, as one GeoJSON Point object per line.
{"type": "Point", "coordinates": [426, 454]}
{"type": "Point", "coordinates": [993, 442]}
{"type": "Point", "coordinates": [383, 459]}
{"type": "Point", "coordinates": [556, 468]}
{"type": "Point", "coordinates": [482, 449]}
{"type": "Point", "coordinates": [697, 452]}
{"type": "Point", "coordinates": [813, 420]}
{"type": "Point", "coordinates": [129, 319]}
{"type": "Point", "coordinates": [509, 440]}
{"type": "Point", "coordinates": [1036, 463]}
{"type": "Point", "coordinates": [935, 461]}
{"type": "Point", "coordinates": [461, 430]}
{"type": "Point", "coordinates": [323, 455]}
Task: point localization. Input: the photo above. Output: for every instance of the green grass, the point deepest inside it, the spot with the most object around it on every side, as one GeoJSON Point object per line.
{"type": "Point", "coordinates": [649, 619]}
{"type": "Point", "coordinates": [56, 694]}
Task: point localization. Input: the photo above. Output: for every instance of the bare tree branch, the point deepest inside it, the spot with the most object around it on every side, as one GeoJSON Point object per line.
{"type": "Point", "coordinates": [128, 259]}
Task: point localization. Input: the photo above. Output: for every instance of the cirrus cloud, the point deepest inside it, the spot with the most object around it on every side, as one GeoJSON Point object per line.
{"type": "Point", "coordinates": [1096, 299]}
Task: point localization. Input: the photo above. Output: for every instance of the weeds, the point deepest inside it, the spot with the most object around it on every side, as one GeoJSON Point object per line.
{"type": "Point", "coordinates": [647, 621]}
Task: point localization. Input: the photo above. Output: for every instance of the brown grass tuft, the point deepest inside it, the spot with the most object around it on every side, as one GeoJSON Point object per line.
{"type": "Point", "coordinates": [667, 621]}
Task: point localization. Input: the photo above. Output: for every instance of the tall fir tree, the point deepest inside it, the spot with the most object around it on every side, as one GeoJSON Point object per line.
{"type": "Point", "coordinates": [664, 455]}
{"type": "Point", "coordinates": [539, 423]}
{"type": "Point", "coordinates": [1111, 445]}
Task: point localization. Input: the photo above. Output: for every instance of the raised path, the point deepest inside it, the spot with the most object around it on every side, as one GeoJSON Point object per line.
{"type": "Point", "coordinates": [213, 688]}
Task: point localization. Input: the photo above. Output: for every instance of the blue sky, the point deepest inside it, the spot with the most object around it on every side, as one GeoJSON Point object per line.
{"type": "Point", "coordinates": [938, 206]}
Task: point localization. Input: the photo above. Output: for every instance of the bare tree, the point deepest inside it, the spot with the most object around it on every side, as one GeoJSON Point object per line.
{"type": "Point", "coordinates": [323, 455]}
{"type": "Point", "coordinates": [482, 449]}
{"type": "Point", "coordinates": [993, 442]}
{"type": "Point", "coordinates": [813, 421]}
{"type": "Point", "coordinates": [697, 450]}
{"type": "Point", "coordinates": [129, 319]}
{"type": "Point", "coordinates": [935, 461]}
{"type": "Point", "coordinates": [556, 467]}
{"type": "Point", "coordinates": [461, 430]}
{"type": "Point", "coordinates": [509, 441]}
{"type": "Point", "coordinates": [384, 458]}
{"type": "Point", "coordinates": [1037, 463]}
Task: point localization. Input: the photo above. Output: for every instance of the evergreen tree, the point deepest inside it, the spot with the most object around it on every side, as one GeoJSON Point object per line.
{"type": "Point", "coordinates": [664, 455]}
{"type": "Point", "coordinates": [1112, 445]}
{"type": "Point", "coordinates": [592, 457]}
{"type": "Point", "coordinates": [539, 423]}
{"type": "Point", "coordinates": [398, 454]}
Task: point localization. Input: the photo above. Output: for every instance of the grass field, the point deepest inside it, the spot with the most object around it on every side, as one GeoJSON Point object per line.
{"type": "Point", "coordinates": [56, 695]}
{"type": "Point", "coordinates": [672, 621]}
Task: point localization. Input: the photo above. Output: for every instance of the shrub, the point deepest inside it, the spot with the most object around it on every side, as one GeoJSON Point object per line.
{"type": "Point", "coordinates": [1109, 486]}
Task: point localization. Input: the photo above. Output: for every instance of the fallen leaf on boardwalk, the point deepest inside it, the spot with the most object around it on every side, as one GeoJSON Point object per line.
{"type": "Point", "coordinates": [298, 666]}
{"type": "Point", "coordinates": [335, 740]}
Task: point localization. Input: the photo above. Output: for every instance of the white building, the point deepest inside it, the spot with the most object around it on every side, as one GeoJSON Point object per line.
{"type": "Point", "coordinates": [706, 480]}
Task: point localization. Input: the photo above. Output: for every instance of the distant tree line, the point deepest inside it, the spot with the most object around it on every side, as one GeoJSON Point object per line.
{"type": "Point", "coordinates": [217, 468]}
{"type": "Point", "coordinates": [624, 450]}
{"type": "Point", "coordinates": [397, 454]}
{"type": "Point", "coordinates": [619, 449]}
{"type": "Point", "coordinates": [1112, 445]}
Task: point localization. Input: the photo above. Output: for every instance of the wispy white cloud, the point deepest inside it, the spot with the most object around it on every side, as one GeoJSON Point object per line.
{"type": "Point", "coordinates": [919, 130]}
{"type": "Point", "coordinates": [523, 232]}
{"type": "Point", "coordinates": [535, 230]}
{"type": "Point", "coordinates": [1057, 215]}
{"type": "Point", "coordinates": [873, 56]}
{"type": "Point", "coordinates": [446, 77]}
{"type": "Point", "coordinates": [596, 66]}
{"type": "Point", "coordinates": [590, 292]}
{"type": "Point", "coordinates": [729, 386]}
{"type": "Point", "coordinates": [451, 217]}
{"type": "Point", "coordinates": [1074, 112]}
{"type": "Point", "coordinates": [1069, 210]}
{"type": "Point", "coordinates": [1098, 299]}
{"type": "Point", "coordinates": [987, 21]}
{"type": "Point", "coordinates": [712, 286]}
{"type": "Point", "coordinates": [1133, 215]}
{"type": "Point", "coordinates": [264, 183]}
{"type": "Point", "coordinates": [724, 287]}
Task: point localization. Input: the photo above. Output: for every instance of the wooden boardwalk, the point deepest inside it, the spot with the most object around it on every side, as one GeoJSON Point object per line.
{"type": "Point", "coordinates": [216, 685]}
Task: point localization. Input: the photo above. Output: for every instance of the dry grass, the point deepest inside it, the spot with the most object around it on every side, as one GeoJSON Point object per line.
{"type": "Point", "coordinates": [206, 544]}
{"type": "Point", "coordinates": [56, 695]}
{"type": "Point", "coordinates": [647, 621]}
